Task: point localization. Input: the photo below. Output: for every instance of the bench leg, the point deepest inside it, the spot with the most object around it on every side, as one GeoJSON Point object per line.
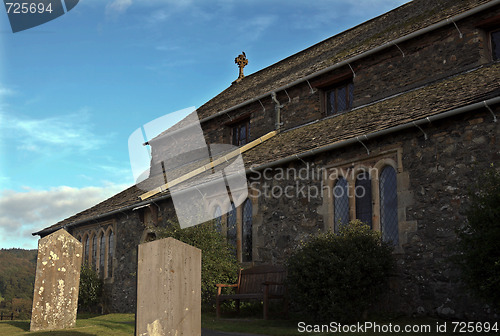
{"type": "Point", "coordinates": [217, 304]}
{"type": "Point", "coordinates": [266, 307]}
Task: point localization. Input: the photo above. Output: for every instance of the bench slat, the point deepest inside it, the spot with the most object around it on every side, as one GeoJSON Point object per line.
{"type": "Point", "coordinates": [241, 296]}
{"type": "Point", "coordinates": [251, 286]}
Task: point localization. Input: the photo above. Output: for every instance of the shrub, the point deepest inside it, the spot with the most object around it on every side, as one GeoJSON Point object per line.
{"type": "Point", "coordinates": [90, 293]}
{"type": "Point", "coordinates": [218, 262]}
{"type": "Point", "coordinates": [479, 255]}
{"type": "Point", "coordinates": [338, 276]}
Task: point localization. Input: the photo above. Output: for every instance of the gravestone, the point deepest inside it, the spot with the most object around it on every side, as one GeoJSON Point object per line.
{"type": "Point", "coordinates": [168, 289]}
{"type": "Point", "coordinates": [55, 300]}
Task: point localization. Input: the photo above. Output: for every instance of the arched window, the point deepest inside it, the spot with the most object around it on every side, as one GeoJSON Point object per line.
{"type": "Point", "coordinates": [218, 218]}
{"type": "Point", "coordinates": [389, 205]}
{"type": "Point", "coordinates": [86, 251]}
{"type": "Point", "coordinates": [340, 203]}
{"type": "Point", "coordinates": [102, 254]}
{"type": "Point", "coordinates": [111, 247]}
{"type": "Point", "coordinates": [94, 252]}
{"type": "Point", "coordinates": [246, 248]}
{"type": "Point", "coordinates": [363, 193]}
{"type": "Point", "coordinates": [231, 226]}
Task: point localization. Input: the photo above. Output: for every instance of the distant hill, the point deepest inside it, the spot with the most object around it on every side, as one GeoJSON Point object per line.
{"type": "Point", "coordinates": [17, 273]}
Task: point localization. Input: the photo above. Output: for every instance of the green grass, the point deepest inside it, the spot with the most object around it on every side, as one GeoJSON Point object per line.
{"type": "Point", "coordinates": [86, 325]}
{"type": "Point", "coordinates": [123, 324]}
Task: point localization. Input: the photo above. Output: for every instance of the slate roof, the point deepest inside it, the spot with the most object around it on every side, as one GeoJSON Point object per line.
{"type": "Point", "coordinates": [460, 90]}
{"type": "Point", "coordinates": [401, 21]}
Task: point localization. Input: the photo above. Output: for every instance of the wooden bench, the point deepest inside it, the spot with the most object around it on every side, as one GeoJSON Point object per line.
{"type": "Point", "coordinates": [261, 283]}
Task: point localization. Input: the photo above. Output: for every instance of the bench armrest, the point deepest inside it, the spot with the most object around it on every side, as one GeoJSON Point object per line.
{"type": "Point", "coordinates": [224, 285]}
{"type": "Point", "coordinates": [220, 286]}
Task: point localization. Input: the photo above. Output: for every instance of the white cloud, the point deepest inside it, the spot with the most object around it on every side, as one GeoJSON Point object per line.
{"type": "Point", "coordinates": [164, 47]}
{"type": "Point", "coordinates": [22, 213]}
{"type": "Point", "coordinates": [324, 13]}
{"type": "Point", "coordinates": [255, 26]}
{"type": "Point", "coordinates": [118, 7]}
{"type": "Point", "coordinates": [6, 91]}
{"type": "Point", "coordinates": [158, 16]}
{"type": "Point", "coordinates": [71, 131]}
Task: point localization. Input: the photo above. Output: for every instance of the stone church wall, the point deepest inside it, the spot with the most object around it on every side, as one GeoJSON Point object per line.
{"type": "Point", "coordinates": [433, 180]}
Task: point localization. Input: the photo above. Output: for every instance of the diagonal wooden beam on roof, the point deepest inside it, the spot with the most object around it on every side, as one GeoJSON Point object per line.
{"type": "Point", "coordinates": [208, 166]}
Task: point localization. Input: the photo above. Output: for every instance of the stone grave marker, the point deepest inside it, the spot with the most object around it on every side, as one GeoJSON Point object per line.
{"type": "Point", "coordinates": [55, 300]}
{"type": "Point", "coordinates": [168, 289]}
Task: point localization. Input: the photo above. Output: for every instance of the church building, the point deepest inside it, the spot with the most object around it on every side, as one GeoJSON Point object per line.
{"type": "Point", "coordinates": [388, 122]}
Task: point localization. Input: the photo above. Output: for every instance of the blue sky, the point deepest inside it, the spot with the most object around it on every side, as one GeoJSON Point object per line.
{"type": "Point", "coordinates": [73, 90]}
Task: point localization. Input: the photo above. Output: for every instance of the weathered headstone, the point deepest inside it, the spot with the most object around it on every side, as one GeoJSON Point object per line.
{"type": "Point", "coordinates": [55, 300]}
{"type": "Point", "coordinates": [168, 289]}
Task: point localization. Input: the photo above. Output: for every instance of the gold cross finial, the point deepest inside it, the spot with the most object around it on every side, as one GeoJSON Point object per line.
{"type": "Point", "coordinates": [242, 61]}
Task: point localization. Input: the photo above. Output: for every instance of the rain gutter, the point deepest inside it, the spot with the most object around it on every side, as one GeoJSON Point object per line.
{"type": "Point", "coordinates": [369, 136]}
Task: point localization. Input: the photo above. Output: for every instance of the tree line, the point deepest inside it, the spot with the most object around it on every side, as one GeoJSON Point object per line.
{"type": "Point", "coordinates": [17, 278]}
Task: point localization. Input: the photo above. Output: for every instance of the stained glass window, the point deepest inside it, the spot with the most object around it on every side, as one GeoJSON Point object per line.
{"type": "Point", "coordinates": [363, 193]}
{"type": "Point", "coordinates": [247, 231]}
{"type": "Point", "coordinates": [341, 203]}
{"type": "Point", "coordinates": [86, 252]}
{"type": "Point", "coordinates": [241, 133]}
{"type": "Point", "coordinates": [102, 254]}
{"type": "Point", "coordinates": [389, 205]}
{"type": "Point", "coordinates": [231, 226]}
{"type": "Point", "coordinates": [339, 98]}
{"type": "Point", "coordinates": [111, 247]}
{"type": "Point", "coordinates": [94, 252]}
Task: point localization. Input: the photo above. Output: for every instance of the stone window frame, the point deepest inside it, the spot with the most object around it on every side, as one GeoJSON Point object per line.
{"type": "Point", "coordinates": [236, 126]}
{"type": "Point", "coordinates": [391, 157]}
{"type": "Point", "coordinates": [349, 96]}
{"type": "Point", "coordinates": [486, 28]}
{"type": "Point", "coordinates": [239, 224]}
{"type": "Point", "coordinates": [346, 82]}
{"type": "Point", "coordinates": [494, 58]}
{"type": "Point", "coordinates": [330, 82]}
{"type": "Point", "coordinates": [105, 228]}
